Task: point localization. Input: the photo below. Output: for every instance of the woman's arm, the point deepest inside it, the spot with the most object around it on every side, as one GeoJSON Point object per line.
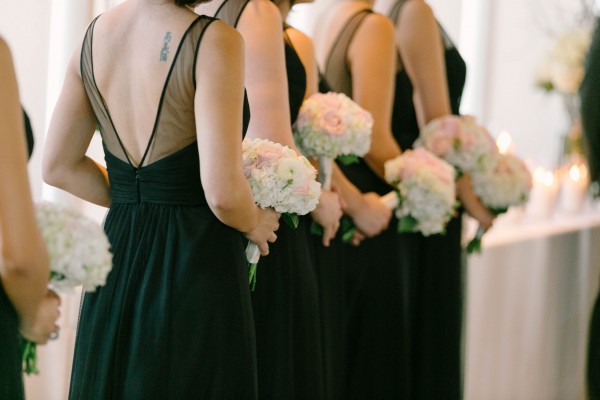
{"type": "Point", "coordinates": [372, 61]}
{"type": "Point", "coordinates": [419, 42]}
{"type": "Point", "coordinates": [266, 78]}
{"type": "Point", "coordinates": [24, 264]}
{"type": "Point", "coordinates": [218, 108]}
{"type": "Point", "coordinates": [72, 127]}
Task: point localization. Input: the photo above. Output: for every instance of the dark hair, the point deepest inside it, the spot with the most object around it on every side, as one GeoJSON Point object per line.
{"type": "Point", "coordinates": [191, 3]}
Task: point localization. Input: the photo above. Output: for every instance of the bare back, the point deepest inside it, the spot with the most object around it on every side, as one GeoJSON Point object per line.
{"type": "Point", "coordinates": [141, 66]}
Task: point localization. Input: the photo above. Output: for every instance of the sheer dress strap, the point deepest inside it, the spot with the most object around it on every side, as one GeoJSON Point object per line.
{"type": "Point", "coordinates": [230, 11]}
{"type": "Point", "coordinates": [174, 124]}
{"type": "Point", "coordinates": [337, 72]}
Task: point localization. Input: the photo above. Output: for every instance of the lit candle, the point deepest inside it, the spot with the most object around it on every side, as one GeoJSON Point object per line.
{"type": "Point", "coordinates": [543, 193]}
{"type": "Point", "coordinates": [504, 143]}
{"type": "Point", "coordinates": [574, 188]}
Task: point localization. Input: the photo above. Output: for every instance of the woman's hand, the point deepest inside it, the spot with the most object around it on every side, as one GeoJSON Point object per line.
{"type": "Point", "coordinates": [328, 214]}
{"type": "Point", "coordinates": [42, 325]}
{"type": "Point", "coordinates": [264, 232]}
{"type": "Point", "coordinates": [472, 203]}
{"type": "Point", "coordinates": [371, 218]}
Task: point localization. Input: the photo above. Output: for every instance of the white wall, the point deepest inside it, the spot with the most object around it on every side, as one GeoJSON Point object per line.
{"type": "Point", "coordinates": [25, 26]}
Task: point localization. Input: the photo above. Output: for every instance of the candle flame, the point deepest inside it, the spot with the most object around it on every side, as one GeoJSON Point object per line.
{"type": "Point", "coordinates": [504, 142]}
{"type": "Point", "coordinates": [543, 176]}
{"type": "Point", "coordinates": [577, 172]}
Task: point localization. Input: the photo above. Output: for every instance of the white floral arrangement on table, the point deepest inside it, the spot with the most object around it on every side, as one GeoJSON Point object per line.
{"type": "Point", "coordinates": [332, 126]}
{"type": "Point", "coordinates": [79, 254]}
{"type": "Point", "coordinates": [426, 196]}
{"type": "Point", "coordinates": [563, 68]}
{"type": "Point", "coordinates": [461, 141]}
{"type": "Point", "coordinates": [281, 179]}
{"type": "Point", "coordinates": [507, 184]}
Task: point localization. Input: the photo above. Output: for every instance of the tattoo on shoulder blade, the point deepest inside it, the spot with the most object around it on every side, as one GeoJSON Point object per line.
{"type": "Point", "coordinates": [164, 52]}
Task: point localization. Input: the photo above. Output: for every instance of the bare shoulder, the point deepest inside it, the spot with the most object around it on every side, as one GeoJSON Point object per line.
{"type": "Point", "coordinates": [300, 40]}
{"type": "Point", "coordinates": [262, 11]}
{"type": "Point", "coordinates": [418, 12]}
{"type": "Point", "coordinates": [377, 26]}
{"type": "Point", "coordinates": [222, 36]}
{"type": "Point", "coordinates": [4, 49]}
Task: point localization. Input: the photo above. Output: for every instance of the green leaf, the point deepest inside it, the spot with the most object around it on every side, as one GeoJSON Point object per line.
{"type": "Point", "coordinates": [252, 276]}
{"type": "Point", "coordinates": [347, 229]}
{"type": "Point", "coordinates": [291, 220]}
{"type": "Point", "coordinates": [30, 357]}
{"type": "Point", "coordinates": [316, 229]}
{"type": "Point", "coordinates": [499, 210]}
{"type": "Point", "coordinates": [474, 246]}
{"type": "Point", "coordinates": [407, 224]}
{"type": "Point", "coordinates": [348, 159]}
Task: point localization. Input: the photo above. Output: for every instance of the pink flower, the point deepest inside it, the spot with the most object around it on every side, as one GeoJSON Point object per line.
{"type": "Point", "coordinates": [267, 155]}
{"type": "Point", "coordinates": [332, 123]}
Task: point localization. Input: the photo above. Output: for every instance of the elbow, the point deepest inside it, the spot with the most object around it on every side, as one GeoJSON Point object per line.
{"type": "Point", "coordinates": [27, 264]}
{"type": "Point", "coordinates": [52, 172]}
{"type": "Point", "coordinates": [221, 202]}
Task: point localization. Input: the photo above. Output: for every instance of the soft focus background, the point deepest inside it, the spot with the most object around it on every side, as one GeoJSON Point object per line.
{"type": "Point", "coordinates": [530, 292]}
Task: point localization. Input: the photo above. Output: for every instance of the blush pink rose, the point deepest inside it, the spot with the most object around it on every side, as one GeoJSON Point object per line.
{"type": "Point", "coordinates": [332, 123]}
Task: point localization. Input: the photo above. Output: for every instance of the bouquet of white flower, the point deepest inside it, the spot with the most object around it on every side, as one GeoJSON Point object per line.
{"type": "Point", "coordinates": [563, 68]}
{"type": "Point", "coordinates": [426, 195]}
{"type": "Point", "coordinates": [281, 179]}
{"type": "Point", "coordinates": [79, 254]}
{"type": "Point", "coordinates": [508, 184]}
{"type": "Point", "coordinates": [331, 126]}
{"type": "Point", "coordinates": [460, 141]}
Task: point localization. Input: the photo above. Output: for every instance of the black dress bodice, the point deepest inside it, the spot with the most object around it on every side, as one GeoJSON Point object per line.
{"type": "Point", "coordinates": [296, 78]}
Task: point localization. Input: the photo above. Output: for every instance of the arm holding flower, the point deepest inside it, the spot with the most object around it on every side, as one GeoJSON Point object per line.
{"type": "Point", "coordinates": [24, 263]}
{"type": "Point", "coordinates": [219, 139]}
{"type": "Point", "coordinates": [418, 41]}
{"type": "Point", "coordinates": [372, 60]}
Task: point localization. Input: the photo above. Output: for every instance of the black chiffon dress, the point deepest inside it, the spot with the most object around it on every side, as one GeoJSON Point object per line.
{"type": "Point", "coordinates": [285, 299]}
{"type": "Point", "coordinates": [436, 262]}
{"type": "Point", "coordinates": [11, 374]}
{"type": "Point", "coordinates": [174, 320]}
{"type": "Point", "coordinates": [374, 361]}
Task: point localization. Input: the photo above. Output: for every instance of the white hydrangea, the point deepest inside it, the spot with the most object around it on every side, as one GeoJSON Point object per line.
{"type": "Point", "coordinates": [280, 178]}
{"type": "Point", "coordinates": [426, 189]}
{"type": "Point", "coordinates": [330, 125]}
{"type": "Point", "coordinates": [78, 248]}
{"type": "Point", "coordinates": [506, 185]}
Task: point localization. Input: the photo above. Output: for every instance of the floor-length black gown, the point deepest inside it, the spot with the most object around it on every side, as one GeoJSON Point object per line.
{"type": "Point", "coordinates": [285, 300]}
{"type": "Point", "coordinates": [436, 261]}
{"type": "Point", "coordinates": [11, 374]}
{"type": "Point", "coordinates": [375, 357]}
{"type": "Point", "coordinates": [174, 320]}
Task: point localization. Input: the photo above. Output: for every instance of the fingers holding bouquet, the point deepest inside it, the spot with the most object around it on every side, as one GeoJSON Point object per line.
{"type": "Point", "coordinates": [43, 325]}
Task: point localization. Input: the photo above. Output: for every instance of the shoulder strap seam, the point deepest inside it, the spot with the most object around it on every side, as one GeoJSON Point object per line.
{"type": "Point", "coordinates": [197, 48]}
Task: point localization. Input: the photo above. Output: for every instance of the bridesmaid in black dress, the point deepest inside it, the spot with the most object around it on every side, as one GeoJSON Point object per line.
{"type": "Point", "coordinates": [26, 306]}
{"type": "Point", "coordinates": [285, 300]}
{"type": "Point", "coordinates": [429, 84]}
{"type": "Point", "coordinates": [364, 209]}
{"type": "Point", "coordinates": [174, 320]}
{"type": "Point", "coordinates": [355, 50]}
